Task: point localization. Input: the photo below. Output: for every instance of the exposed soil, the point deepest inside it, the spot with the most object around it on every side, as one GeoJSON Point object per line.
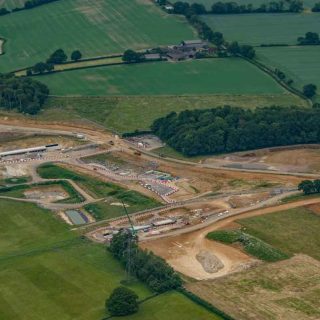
{"type": "Point", "coordinates": [180, 250]}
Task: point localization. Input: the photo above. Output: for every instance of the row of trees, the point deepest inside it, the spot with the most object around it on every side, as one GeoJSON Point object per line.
{"type": "Point", "coordinates": [132, 56]}
{"type": "Point", "coordinates": [228, 129]}
{"type": "Point", "coordinates": [310, 38]}
{"type": "Point", "coordinates": [243, 50]}
{"type": "Point", "coordinates": [270, 7]}
{"type": "Point", "coordinates": [205, 32]}
{"type": "Point", "coordinates": [22, 94]}
{"type": "Point", "coordinates": [309, 186]}
{"type": "Point", "coordinates": [150, 269]}
{"type": "Point", "coordinates": [30, 4]}
{"type": "Point", "coordinates": [57, 57]}
{"type": "Point", "coordinates": [220, 7]}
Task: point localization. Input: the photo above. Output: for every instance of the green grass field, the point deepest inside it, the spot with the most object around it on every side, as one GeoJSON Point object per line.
{"type": "Point", "coordinates": [299, 63]}
{"type": "Point", "coordinates": [26, 227]}
{"type": "Point", "coordinates": [121, 113]}
{"type": "Point", "coordinates": [252, 245]}
{"type": "Point", "coordinates": [292, 231]}
{"type": "Point", "coordinates": [18, 191]}
{"type": "Point", "coordinates": [209, 76]}
{"type": "Point", "coordinates": [94, 27]}
{"type": "Point", "coordinates": [257, 29]}
{"type": "Point", "coordinates": [48, 272]}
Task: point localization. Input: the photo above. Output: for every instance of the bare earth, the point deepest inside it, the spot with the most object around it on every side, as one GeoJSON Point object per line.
{"type": "Point", "coordinates": [181, 251]}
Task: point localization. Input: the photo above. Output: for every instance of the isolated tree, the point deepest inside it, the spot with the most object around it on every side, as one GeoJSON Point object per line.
{"type": "Point", "coordinates": [76, 55]}
{"type": "Point", "coordinates": [122, 302]}
{"type": "Point", "coordinates": [131, 56]}
{"type": "Point", "coordinates": [307, 186]}
{"type": "Point", "coordinates": [57, 57]}
{"type": "Point", "coordinates": [310, 90]}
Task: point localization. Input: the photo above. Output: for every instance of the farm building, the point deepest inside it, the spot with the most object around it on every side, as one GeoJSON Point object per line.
{"type": "Point", "coordinates": [187, 49]}
{"type": "Point", "coordinates": [193, 44]}
{"type": "Point", "coordinates": [152, 56]}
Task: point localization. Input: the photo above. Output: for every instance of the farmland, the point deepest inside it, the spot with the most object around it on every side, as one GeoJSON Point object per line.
{"type": "Point", "coordinates": [299, 63]}
{"type": "Point", "coordinates": [36, 226]}
{"type": "Point", "coordinates": [293, 231]}
{"type": "Point", "coordinates": [257, 29]}
{"type": "Point", "coordinates": [94, 27]}
{"type": "Point", "coordinates": [120, 113]}
{"type": "Point", "coordinates": [287, 290]}
{"type": "Point", "coordinates": [212, 76]}
{"type": "Point", "coordinates": [39, 280]}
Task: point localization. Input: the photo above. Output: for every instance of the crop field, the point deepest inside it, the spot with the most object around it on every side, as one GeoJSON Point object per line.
{"type": "Point", "coordinates": [94, 27]}
{"type": "Point", "coordinates": [293, 231]}
{"type": "Point", "coordinates": [37, 279]}
{"type": "Point", "coordinates": [211, 76]}
{"type": "Point", "coordinates": [299, 63]}
{"type": "Point", "coordinates": [287, 290]}
{"type": "Point", "coordinates": [257, 29]}
{"type": "Point", "coordinates": [121, 113]}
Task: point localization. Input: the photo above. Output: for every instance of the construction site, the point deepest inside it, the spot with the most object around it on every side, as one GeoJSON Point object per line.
{"type": "Point", "coordinates": [190, 199]}
{"type": "Point", "coordinates": [192, 196]}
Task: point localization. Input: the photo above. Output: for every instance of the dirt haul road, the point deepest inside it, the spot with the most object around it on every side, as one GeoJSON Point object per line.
{"type": "Point", "coordinates": [99, 135]}
{"type": "Point", "coordinates": [180, 251]}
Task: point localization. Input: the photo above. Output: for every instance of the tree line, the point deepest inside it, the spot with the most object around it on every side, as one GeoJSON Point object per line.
{"type": "Point", "coordinates": [191, 13]}
{"type": "Point", "coordinates": [24, 95]}
{"type": "Point", "coordinates": [232, 7]}
{"type": "Point", "coordinates": [30, 4]}
{"type": "Point", "coordinates": [229, 129]}
{"type": "Point", "coordinates": [57, 57]}
{"type": "Point", "coordinates": [147, 267]}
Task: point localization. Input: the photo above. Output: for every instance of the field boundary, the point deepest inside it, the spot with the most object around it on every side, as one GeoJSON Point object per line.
{"type": "Point", "coordinates": [268, 71]}
{"type": "Point", "coordinates": [203, 303]}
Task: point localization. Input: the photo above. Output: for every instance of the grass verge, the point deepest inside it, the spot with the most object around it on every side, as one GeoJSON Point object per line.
{"type": "Point", "coordinates": [251, 245]}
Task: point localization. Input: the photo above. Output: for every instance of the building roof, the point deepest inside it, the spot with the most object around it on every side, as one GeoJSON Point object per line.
{"type": "Point", "coordinates": [152, 56]}
{"type": "Point", "coordinates": [191, 42]}
{"type": "Point", "coordinates": [176, 54]}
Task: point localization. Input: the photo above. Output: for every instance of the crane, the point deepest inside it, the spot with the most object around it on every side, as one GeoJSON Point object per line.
{"type": "Point", "coordinates": [132, 236]}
